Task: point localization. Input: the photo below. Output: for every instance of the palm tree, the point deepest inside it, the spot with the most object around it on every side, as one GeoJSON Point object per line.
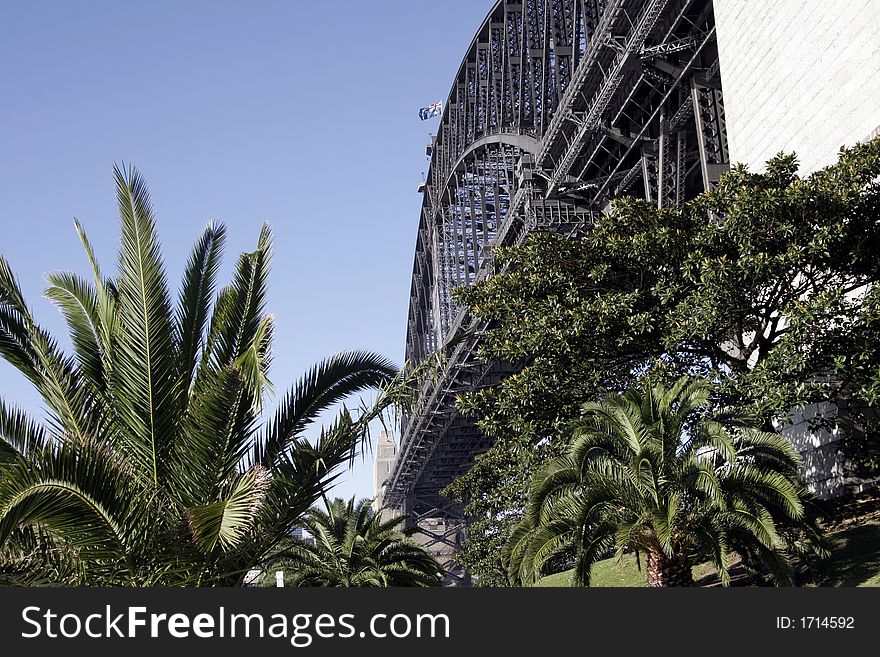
{"type": "Point", "coordinates": [650, 471]}
{"type": "Point", "coordinates": [152, 467]}
{"type": "Point", "coordinates": [353, 546]}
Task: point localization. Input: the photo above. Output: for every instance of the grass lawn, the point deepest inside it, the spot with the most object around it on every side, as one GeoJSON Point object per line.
{"type": "Point", "coordinates": [854, 561]}
{"type": "Point", "coordinates": [609, 572]}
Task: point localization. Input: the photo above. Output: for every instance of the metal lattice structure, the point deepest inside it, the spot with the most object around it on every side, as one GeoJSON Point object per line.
{"type": "Point", "coordinates": [558, 107]}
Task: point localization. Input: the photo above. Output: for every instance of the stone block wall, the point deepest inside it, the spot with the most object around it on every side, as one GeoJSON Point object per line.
{"type": "Point", "coordinates": [798, 75]}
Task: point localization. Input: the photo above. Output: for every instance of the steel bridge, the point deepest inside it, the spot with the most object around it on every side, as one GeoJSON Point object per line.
{"type": "Point", "coordinates": [559, 106]}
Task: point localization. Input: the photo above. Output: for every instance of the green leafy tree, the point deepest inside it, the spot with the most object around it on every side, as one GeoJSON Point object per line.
{"type": "Point", "coordinates": [353, 546]}
{"type": "Point", "coordinates": [153, 467]}
{"type": "Point", "coordinates": [767, 285]}
{"type": "Point", "coordinates": [650, 471]}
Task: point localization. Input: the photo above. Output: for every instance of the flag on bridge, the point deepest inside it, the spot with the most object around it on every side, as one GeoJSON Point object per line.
{"type": "Point", "coordinates": [432, 110]}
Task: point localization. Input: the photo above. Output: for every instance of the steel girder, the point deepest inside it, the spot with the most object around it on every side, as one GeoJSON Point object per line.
{"type": "Point", "coordinates": [558, 107]}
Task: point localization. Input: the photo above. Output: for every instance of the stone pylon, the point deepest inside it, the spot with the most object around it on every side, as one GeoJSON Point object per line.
{"type": "Point", "coordinates": [386, 455]}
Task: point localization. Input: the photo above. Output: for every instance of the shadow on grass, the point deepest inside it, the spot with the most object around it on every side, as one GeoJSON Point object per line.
{"type": "Point", "coordinates": [855, 558]}
{"type": "Point", "coordinates": [854, 561]}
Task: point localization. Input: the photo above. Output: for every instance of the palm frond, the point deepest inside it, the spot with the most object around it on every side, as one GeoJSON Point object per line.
{"type": "Point", "coordinates": [253, 364]}
{"type": "Point", "coordinates": [78, 303]}
{"type": "Point", "coordinates": [20, 435]}
{"type": "Point", "coordinates": [589, 553]}
{"type": "Point", "coordinates": [324, 385]}
{"type": "Point", "coordinates": [224, 523]}
{"type": "Point", "coordinates": [225, 401]}
{"type": "Point", "coordinates": [30, 349]}
{"type": "Point", "coordinates": [216, 431]}
{"type": "Point", "coordinates": [196, 294]}
{"type": "Point", "coordinates": [79, 493]}
{"type": "Point", "coordinates": [240, 307]}
{"type": "Point", "coordinates": [145, 386]}
{"type": "Point", "coordinates": [106, 295]}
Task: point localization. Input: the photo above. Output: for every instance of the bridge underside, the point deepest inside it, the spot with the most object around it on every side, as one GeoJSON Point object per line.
{"type": "Point", "coordinates": [559, 107]}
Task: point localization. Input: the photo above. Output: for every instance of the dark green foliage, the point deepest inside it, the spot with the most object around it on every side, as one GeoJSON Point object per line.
{"type": "Point", "coordinates": [767, 286]}
{"type": "Point", "coordinates": [653, 472]}
{"type": "Point", "coordinates": [352, 546]}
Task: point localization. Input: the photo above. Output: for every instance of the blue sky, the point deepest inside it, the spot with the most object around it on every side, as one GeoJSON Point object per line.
{"type": "Point", "coordinates": [303, 114]}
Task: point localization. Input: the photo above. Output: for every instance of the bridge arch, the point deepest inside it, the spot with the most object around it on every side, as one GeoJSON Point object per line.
{"type": "Point", "coordinates": [511, 81]}
{"type": "Point", "coordinates": [558, 107]}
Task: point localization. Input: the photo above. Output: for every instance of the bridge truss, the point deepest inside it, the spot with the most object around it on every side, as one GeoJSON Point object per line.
{"type": "Point", "coordinates": [558, 107]}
